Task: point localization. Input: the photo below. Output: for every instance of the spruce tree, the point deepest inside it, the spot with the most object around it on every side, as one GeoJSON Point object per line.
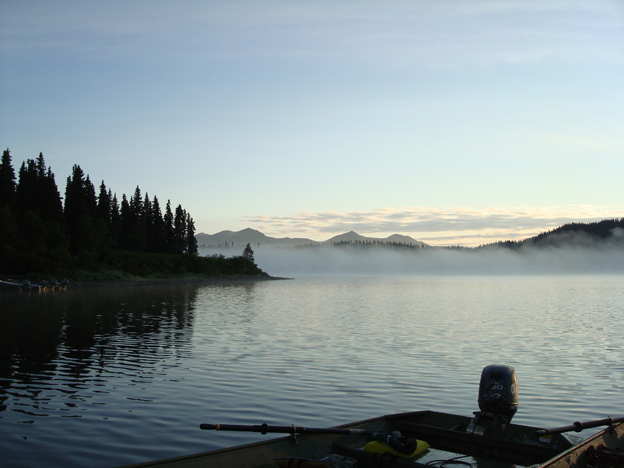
{"type": "Point", "coordinates": [80, 202]}
{"type": "Point", "coordinates": [7, 181]}
{"type": "Point", "coordinates": [159, 227]}
{"type": "Point", "coordinates": [40, 166]}
{"type": "Point", "coordinates": [115, 226]}
{"type": "Point", "coordinates": [179, 231]}
{"type": "Point", "coordinates": [104, 205]}
{"type": "Point", "coordinates": [91, 199]}
{"type": "Point", "coordinates": [8, 222]}
{"type": "Point", "coordinates": [51, 204]}
{"type": "Point", "coordinates": [248, 254]}
{"type": "Point", "coordinates": [75, 198]}
{"type": "Point", "coordinates": [191, 241]}
{"type": "Point", "coordinates": [37, 191]}
{"type": "Point", "coordinates": [136, 205]}
{"type": "Point", "coordinates": [26, 190]}
{"type": "Point", "coordinates": [169, 235]}
{"type": "Point", "coordinates": [148, 223]}
{"type": "Point", "coordinates": [126, 223]}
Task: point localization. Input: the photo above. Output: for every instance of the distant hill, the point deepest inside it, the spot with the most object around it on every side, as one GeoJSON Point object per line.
{"type": "Point", "coordinates": [256, 238]}
{"type": "Point", "coordinates": [606, 232]}
{"type": "Point", "coordinates": [248, 236]}
{"type": "Point", "coordinates": [352, 236]}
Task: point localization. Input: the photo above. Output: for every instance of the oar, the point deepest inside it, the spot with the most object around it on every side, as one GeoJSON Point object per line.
{"type": "Point", "coordinates": [579, 426]}
{"type": "Point", "coordinates": [265, 428]}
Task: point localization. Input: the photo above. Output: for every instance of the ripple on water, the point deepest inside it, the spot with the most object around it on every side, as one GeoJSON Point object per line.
{"type": "Point", "coordinates": [127, 376]}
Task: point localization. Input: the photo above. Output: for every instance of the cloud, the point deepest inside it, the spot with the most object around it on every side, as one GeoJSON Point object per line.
{"type": "Point", "coordinates": [464, 226]}
{"type": "Point", "coordinates": [431, 33]}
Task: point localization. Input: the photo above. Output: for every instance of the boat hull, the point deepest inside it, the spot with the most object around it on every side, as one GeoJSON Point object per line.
{"type": "Point", "coordinates": [605, 448]}
{"type": "Point", "coordinates": [449, 436]}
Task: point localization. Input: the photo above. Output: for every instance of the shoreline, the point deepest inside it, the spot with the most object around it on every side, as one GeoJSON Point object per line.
{"type": "Point", "coordinates": [138, 281]}
{"type": "Point", "coordinates": [168, 281]}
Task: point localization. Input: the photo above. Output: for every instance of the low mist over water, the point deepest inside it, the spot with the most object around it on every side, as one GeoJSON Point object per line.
{"type": "Point", "coordinates": [375, 260]}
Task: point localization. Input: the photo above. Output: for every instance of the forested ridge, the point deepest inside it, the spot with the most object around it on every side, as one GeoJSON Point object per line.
{"type": "Point", "coordinates": [92, 235]}
{"type": "Point", "coordinates": [608, 232]}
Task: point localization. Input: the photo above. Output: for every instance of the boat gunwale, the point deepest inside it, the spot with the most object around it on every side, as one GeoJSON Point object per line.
{"type": "Point", "coordinates": [395, 418]}
{"type": "Point", "coordinates": [580, 448]}
{"type": "Point", "coordinates": [237, 448]}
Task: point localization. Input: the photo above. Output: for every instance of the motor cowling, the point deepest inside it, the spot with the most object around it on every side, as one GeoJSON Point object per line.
{"type": "Point", "coordinates": [498, 393]}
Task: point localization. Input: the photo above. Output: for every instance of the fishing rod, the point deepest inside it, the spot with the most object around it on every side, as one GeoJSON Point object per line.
{"type": "Point", "coordinates": [579, 426]}
{"type": "Point", "coordinates": [401, 444]}
{"type": "Point", "coordinates": [292, 429]}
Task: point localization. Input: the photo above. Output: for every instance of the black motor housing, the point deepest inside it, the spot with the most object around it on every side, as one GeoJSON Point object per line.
{"type": "Point", "coordinates": [498, 392]}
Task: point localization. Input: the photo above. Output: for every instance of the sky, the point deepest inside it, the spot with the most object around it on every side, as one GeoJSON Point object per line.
{"type": "Point", "coordinates": [457, 123]}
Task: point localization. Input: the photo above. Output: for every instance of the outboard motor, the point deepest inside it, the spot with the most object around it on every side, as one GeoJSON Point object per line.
{"type": "Point", "coordinates": [498, 395]}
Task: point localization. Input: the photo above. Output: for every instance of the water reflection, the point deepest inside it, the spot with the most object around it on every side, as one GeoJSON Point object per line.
{"type": "Point", "coordinates": [59, 343]}
{"type": "Point", "coordinates": [108, 377]}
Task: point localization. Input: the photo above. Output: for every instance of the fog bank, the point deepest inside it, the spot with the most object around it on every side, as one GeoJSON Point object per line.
{"type": "Point", "coordinates": [355, 260]}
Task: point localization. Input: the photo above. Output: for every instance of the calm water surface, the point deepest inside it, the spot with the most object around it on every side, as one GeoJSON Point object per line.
{"type": "Point", "coordinates": [111, 376]}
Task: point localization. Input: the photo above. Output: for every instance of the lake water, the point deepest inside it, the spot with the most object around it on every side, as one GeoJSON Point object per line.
{"type": "Point", "coordinates": [111, 376]}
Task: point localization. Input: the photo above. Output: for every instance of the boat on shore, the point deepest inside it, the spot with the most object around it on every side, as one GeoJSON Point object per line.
{"type": "Point", "coordinates": [422, 439]}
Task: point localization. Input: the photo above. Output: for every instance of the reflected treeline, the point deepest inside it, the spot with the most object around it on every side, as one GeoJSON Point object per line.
{"type": "Point", "coordinates": [83, 329]}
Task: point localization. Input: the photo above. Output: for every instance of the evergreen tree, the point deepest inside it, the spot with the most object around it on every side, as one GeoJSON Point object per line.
{"type": "Point", "coordinates": [8, 222]}
{"type": "Point", "coordinates": [7, 181]}
{"type": "Point", "coordinates": [159, 227]}
{"type": "Point", "coordinates": [91, 199]}
{"type": "Point", "coordinates": [37, 191]}
{"type": "Point", "coordinates": [104, 205]}
{"type": "Point", "coordinates": [80, 202]}
{"type": "Point", "coordinates": [126, 223]}
{"type": "Point", "coordinates": [248, 254]}
{"type": "Point", "coordinates": [191, 241]}
{"type": "Point", "coordinates": [179, 231]}
{"type": "Point", "coordinates": [75, 197]}
{"type": "Point", "coordinates": [136, 205]}
{"type": "Point", "coordinates": [134, 223]}
{"type": "Point", "coordinates": [115, 216]}
{"type": "Point", "coordinates": [51, 204]}
{"type": "Point", "coordinates": [148, 223]}
{"type": "Point", "coordinates": [38, 217]}
{"type": "Point", "coordinates": [41, 167]}
{"type": "Point", "coordinates": [26, 190]}
{"type": "Point", "coordinates": [169, 235]}
{"type": "Point", "coordinates": [53, 234]}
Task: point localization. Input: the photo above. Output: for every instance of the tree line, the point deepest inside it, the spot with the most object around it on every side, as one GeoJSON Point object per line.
{"type": "Point", "coordinates": [42, 231]}
{"type": "Point", "coordinates": [608, 232]}
{"type": "Point", "coordinates": [375, 243]}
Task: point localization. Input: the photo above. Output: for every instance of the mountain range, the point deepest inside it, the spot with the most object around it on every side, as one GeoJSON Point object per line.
{"type": "Point", "coordinates": [606, 232]}
{"type": "Point", "coordinates": [256, 238]}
